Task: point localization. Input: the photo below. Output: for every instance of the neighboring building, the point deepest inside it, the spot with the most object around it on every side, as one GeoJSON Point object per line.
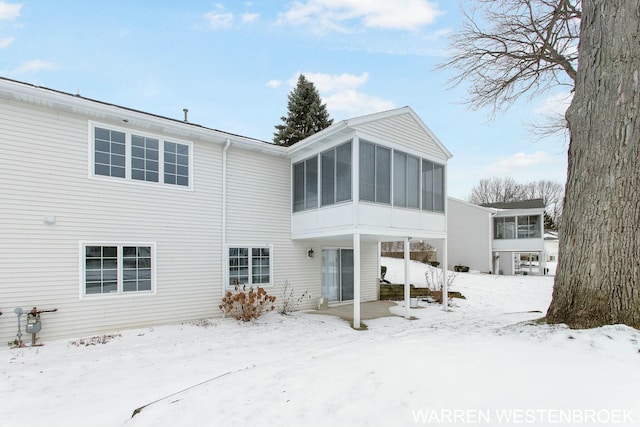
{"type": "Point", "coordinates": [501, 238]}
{"type": "Point", "coordinates": [120, 218]}
{"type": "Point", "coordinates": [551, 245]}
{"type": "Point", "coordinates": [470, 238]}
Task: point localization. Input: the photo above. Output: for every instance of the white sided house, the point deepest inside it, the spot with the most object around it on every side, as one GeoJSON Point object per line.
{"type": "Point", "coordinates": [121, 219]}
{"type": "Point", "coordinates": [498, 238]}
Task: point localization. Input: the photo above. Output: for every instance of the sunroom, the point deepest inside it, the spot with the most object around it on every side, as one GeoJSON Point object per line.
{"type": "Point", "coordinates": [366, 180]}
{"type": "Point", "coordinates": [518, 238]}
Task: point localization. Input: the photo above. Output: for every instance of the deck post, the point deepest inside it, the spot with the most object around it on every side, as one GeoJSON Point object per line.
{"type": "Point", "coordinates": [445, 293]}
{"type": "Point", "coordinates": [407, 286]}
{"type": "Point", "coordinates": [356, 280]}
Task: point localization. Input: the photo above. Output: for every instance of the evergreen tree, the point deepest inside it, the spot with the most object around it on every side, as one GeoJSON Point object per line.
{"type": "Point", "coordinates": [307, 114]}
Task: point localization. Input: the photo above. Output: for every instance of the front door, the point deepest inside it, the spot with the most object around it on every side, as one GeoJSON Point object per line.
{"type": "Point", "coordinates": [337, 274]}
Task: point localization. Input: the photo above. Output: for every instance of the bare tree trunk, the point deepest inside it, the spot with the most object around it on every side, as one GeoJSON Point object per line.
{"type": "Point", "coordinates": [598, 277]}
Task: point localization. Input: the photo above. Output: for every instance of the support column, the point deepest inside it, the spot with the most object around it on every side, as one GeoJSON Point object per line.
{"type": "Point", "coordinates": [407, 287]}
{"type": "Point", "coordinates": [445, 291]}
{"type": "Point", "coordinates": [356, 280]}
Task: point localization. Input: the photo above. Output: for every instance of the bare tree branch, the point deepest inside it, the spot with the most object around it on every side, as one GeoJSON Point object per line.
{"type": "Point", "coordinates": [508, 48]}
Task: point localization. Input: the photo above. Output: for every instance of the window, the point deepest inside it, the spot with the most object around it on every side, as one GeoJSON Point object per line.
{"type": "Point", "coordinates": [109, 153]}
{"type": "Point", "coordinates": [128, 156]}
{"type": "Point", "coordinates": [176, 163]}
{"type": "Point", "coordinates": [144, 158]}
{"type": "Point", "coordinates": [406, 180]}
{"type": "Point", "coordinates": [117, 269]}
{"type": "Point", "coordinates": [438, 187]}
{"type": "Point", "coordinates": [529, 227]}
{"type": "Point", "coordinates": [305, 184]}
{"type": "Point", "coordinates": [336, 174]}
{"type": "Point", "coordinates": [432, 186]}
{"type": "Point", "coordinates": [375, 173]}
{"type": "Point", "coordinates": [517, 227]}
{"type": "Point", "coordinates": [250, 266]}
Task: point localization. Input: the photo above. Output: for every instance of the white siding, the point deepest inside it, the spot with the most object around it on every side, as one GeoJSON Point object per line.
{"type": "Point", "coordinates": [259, 212]}
{"type": "Point", "coordinates": [468, 236]}
{"type": "Point", "coordinates": [45, 173]}
{"type": "Point", "coordinates": [403, 129]}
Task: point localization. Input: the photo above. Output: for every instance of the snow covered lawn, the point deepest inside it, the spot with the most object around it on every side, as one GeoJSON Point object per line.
{"type": "Point", "coordinates": [484, 363]}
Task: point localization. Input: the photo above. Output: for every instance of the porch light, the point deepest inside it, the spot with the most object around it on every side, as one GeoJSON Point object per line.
{"type": "Point", "coordinates": [310, 253]}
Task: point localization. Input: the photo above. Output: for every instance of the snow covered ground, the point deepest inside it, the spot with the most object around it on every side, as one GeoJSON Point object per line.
{"type": "Point", "coordinates": [484, 362]}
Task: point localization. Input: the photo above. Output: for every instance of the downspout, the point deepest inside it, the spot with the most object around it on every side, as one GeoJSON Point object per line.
{"type": "Point", "coordinates": [224, 214]}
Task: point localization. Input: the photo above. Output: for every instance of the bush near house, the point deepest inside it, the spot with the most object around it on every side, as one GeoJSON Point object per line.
{"type": "Point", "coordinates": [461, 268]}
{"type": "Point", "coordinates": [247, 304]}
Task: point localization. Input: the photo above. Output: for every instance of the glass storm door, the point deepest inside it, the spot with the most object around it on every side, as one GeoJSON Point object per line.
{"type": "Point", "coordinates": [337, 274]}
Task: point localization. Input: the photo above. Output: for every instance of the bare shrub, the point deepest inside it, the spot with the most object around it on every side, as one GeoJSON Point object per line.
{"type": "Point", "coordinates": [289, 302]}
{"type": "Point", "coordinates": [247, 304]}
{"type": "Point", "coordinates": [434, 275]}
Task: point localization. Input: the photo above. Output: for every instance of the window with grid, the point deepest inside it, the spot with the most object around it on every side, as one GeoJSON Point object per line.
{"type": "Point", "coordinates": [176, 163]}
{"type": "Point", "coordinates": [144, 158]}
{"type": "Point", "coordinates": [109, 153]}
{"type": "Point", "coordinates": [141, 158]}
{"type": "Point", "coordinates": [136, 268]}
{"type": "Point", "coordinates": [114, 269]}
{"type": "Point", "coordinates": [249, 266]}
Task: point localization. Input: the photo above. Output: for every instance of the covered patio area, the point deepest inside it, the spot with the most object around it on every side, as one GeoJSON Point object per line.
{"type": "Point", "coordinates": [368, 310]}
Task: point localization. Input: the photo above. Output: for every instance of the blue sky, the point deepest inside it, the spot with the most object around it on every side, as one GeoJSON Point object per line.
{"type": "Point", "coordinates": [232, 64]}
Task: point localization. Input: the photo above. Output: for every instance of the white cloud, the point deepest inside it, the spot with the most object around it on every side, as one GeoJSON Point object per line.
{"type": "Point", "coordinates": [9, 10]}
{"type": "Point", "coordinates": [5, 42]}
{"type": "Point", "coordinates": [219, 18]}
{"type": "Point", "coordinates": [356, 103]}
{"type": "Point", "coordinates": [274, 83]}
{"type": "Point", "coordinates": [331, 83]}
{"type": "Point", "coordinates": [514, 164]}
{"type": "Point", "coordinates": [554, 105]}
{"type": "Point", "coordinates": [340, 94]}
{"type": "Point", "coordinates": [250, 17]}
{"type": "Point", "coordinates": [35, 65]}
{"type": "Point", "coordinates": [334, 15]}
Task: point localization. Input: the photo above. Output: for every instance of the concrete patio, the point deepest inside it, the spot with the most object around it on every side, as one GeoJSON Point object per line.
{"type": "Point", "coordinates": [368, 310]}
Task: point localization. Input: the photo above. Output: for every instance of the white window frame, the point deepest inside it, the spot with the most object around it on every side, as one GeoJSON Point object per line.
{"type": "Point", "coordinates": [128, 149]}
{"type": "Point", "coordinates": [119, 292]}
{"type": "Point", "coordinates": [269, 246]}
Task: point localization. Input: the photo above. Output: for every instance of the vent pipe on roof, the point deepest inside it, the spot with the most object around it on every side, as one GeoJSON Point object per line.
{"type": "Point", "coordinates": [186, 111]}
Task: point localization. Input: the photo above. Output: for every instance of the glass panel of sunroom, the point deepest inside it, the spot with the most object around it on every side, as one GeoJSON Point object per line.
{"type": "Point", "coordinates": [328, 172]}
{"type": "Point", "coordinates": [383, 175]}
{"type": "Point", "coordinates": [413, 182]}
{"type": "Point", "coordinates": [298, 187]}
{"type": "Point", "coordinates": [367, 171]}
{"type": "Point", "coordinates": [343, 172]}
{"type": "Point", "coordinates": [399, 179]}
{"type": "Point", "coordinates": [311, 184]}
{"type": "Point", "coordinates": [427, 185]}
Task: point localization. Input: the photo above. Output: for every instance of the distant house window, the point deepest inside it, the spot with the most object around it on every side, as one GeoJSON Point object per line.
{"type": "Point", "coordinates": [134, 157]}
{"type": "Point", "coordinates": [117, 269]}
{"type": "Point", "coordinates": [517, 227]}
{"type": "Point", "coordinates": [529, 227]}
{"type": "Point", "coordinates": [336, 174]}
{"type": "Point", "coordinates": [250, 266]}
